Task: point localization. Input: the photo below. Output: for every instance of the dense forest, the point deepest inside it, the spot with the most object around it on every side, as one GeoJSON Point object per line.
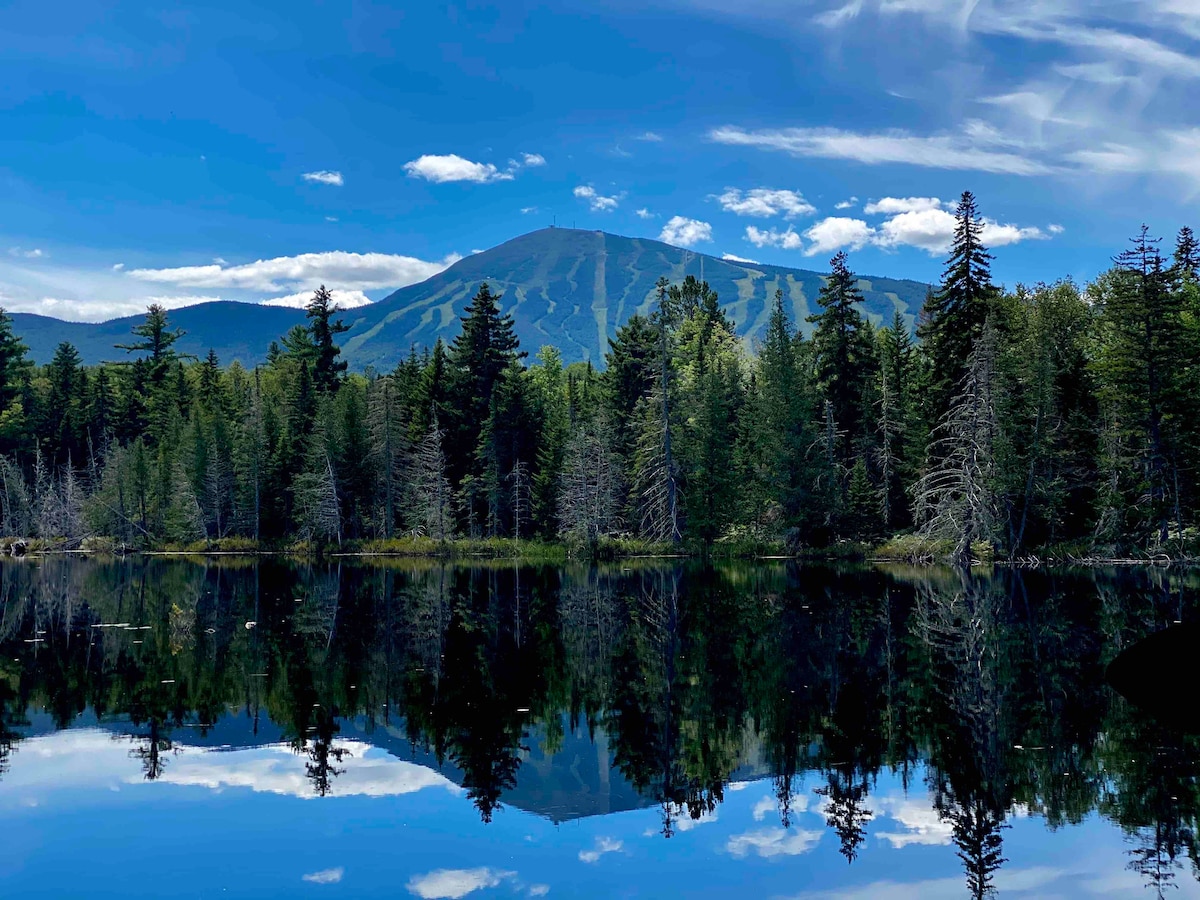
{"type": "Point", "coordinates": [1045, 419]}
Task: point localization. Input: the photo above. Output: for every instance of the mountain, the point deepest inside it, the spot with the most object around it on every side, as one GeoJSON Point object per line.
{"type": "Point", "coordinates": [563, 286]}
{"type": "Point", "coordinates": [241, 331]}
{"type": "Point", "coordinates": [572, 288]}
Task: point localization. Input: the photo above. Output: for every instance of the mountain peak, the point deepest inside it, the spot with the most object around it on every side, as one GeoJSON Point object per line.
{"type": "Point", "coordinates": [573, 287]}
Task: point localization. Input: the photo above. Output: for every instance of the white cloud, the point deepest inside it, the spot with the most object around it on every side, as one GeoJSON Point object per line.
{"type": "Point", "coordinates": [731, 257]}
{"type": "Point", "coordinates": [650, 136]}
{"type": "Point", "coordinates": [890, 206]}
{"type": "Point", "coordinates": [527, 210]}
{"type": "Point", "coordinates": [450, 884]}
{"type": "Point", "coordinates": [603, 845]}
{"type": "Point", "coordinates": [34, 253]}
{"type": "Point", "coordinates": [771, 842]}
{"type": "Point", "coordinates": [684, 232]}
{"type": "Point", "coordinates": [788, 240]}
{"type": "Point", "coordinates": [65, 760]}
{"type": "Point", "coordinates": [644, 213]}
{"type": "Point", "coordinates": [765, 203]}
{"type": "Point", "coordinates": [597, 202]}
{"type": "Point", "coordinates": [348, 271]}
{"type": "Point", "coordinates": [539, 890]}
{"type": "Point", "coordinates": [837, 232]}
{"type": "Point", "coordinates": [344, 299]}
{"type": "Point", "coordinates": [920, 822]}
{"type": "Point", "coordinates": [846, 204]}
{"type": "Point", "coordinates": [117, 267]}
{"type": "Point", "coordinates": [325, 876]}
{"type": "Point", "coordinates": [95, 310]}
{"type": "Point", "coordinates": [769, 804]}
{"type": "Point", "coordinates": [532, 160]}
{"type": "Point", "coordinates": [452, 167]}
{"type": "Point", "coordinates": [1055, 229]}
{"type": "Point", "coordinates": [932, 230]}
{"type": "Point", "coordinates": [929, 229]}
{"type": "Point", "coordinates": [331, 218]}
{"type": "Point", "coordinates": [945, 151]}
{"type": "Point", "coordinates": [324, 176]}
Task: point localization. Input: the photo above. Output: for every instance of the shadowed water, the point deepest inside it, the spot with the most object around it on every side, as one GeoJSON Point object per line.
{"type": "Point", "coordinates": [203, 729]}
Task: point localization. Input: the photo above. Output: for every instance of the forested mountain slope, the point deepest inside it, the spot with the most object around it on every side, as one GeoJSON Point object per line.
{"type": "Point", "coordinates": [564, 287]}
{"type": "Point", "coordinates": [572, 288]}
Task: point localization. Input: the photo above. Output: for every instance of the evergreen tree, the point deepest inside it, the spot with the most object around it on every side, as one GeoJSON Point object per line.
{"type": "Point", "coordinates": [843, 354]}
{"type": "Point", "coordinates": [953, 316]}
{"type": "Point", "coordinates": [323, 328]}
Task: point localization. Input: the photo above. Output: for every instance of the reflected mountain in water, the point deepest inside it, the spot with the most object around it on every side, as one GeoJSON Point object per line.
{"type": "Point", "coordinates": [585, 691]}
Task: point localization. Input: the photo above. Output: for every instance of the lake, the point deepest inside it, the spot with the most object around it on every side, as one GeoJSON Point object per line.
{"type": "Point", "coordinates": [241, 728]}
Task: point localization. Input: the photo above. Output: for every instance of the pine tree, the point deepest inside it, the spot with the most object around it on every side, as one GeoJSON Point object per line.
{"type": "Point", "coordinates": [478, 360]}
{"type": "Point", "coordinates": [1187, 255]}
{"type": "Point", "coordinates": [843, 353]}
{"type": "Point", "coordinates": [323, 328]}
{"type": "Point", "coordinates": [1138, 366]}
{"type": "Point", "coordinates": [953, 316]}
{"type": "Point", "coordinates": [157, 341]}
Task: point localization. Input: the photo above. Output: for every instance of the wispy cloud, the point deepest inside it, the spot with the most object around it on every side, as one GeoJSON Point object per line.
{"type": "Point", "coordinates": [765, 203]}
{"type": "Point", "coordinates": [944, 151]}
{"type": "Point", "coordinates": [644, 213]}
{"type": "Point", "coordinates": [596, 201]}
{"type": "Point", "coordinates": [325, 876]}
{"type": "Point", "coordinates": [528, 210]}
{"type": "Point", "coordinates": [450, 884]}
{"type": "Point", "coordinates": [1102, 89]}
{"type": "Point", "coordinates": [771, 842]}
{"type": "Point", "coordinates": [33, 253]}
{"type": "Point", "coordinates": [650, 136]}
{"type": "Point", "coordinates": [450, 167]}
{"type": "Point", "coordinates": [846, 204]}
{"type": "Point", "coordinates": [684, 232]}
{"type": "Point", "coordinates": [324, 176]}
{"type": "Point", "coordinates": [532, 160]}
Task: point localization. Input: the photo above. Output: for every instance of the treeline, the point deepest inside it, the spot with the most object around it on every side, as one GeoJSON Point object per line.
{"type": "Point", "coordinates": [1047, 417]}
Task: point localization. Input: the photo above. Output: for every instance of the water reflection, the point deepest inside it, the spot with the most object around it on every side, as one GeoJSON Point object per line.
{"type": "Point", "coordinates": [574, 691]}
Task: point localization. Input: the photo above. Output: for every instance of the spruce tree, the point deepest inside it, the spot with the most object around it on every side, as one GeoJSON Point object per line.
{"type": "Point", "coordinates": [954, 315]}
{"type": "Point", "coordinates": [328, 368]}
{"type": "Point", "coordinates": [842, 353]}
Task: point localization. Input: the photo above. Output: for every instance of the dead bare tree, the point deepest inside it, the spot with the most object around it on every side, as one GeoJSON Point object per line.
{"type": "Point", "coordinates": [589, 487]}
{"type": "Point", "coordinates": [955, 498]}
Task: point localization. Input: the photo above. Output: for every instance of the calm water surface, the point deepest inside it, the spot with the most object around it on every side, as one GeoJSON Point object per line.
{"type": "Point", "coordinates": [172, 728]}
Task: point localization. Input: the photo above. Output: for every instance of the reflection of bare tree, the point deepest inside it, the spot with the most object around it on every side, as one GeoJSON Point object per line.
{"type": "Point", "coordinates": [591, 622]}
{"type": "Point", "coordinates": [960, 625]}
{"type": "Point", "coordinates": [317, 614]}
{"type": "Point", "coordinates": [427, 616]}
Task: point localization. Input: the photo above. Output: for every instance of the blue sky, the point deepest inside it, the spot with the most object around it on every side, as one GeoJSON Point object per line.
{"type": "Point", "coordinates": [243, 151]}
{"type": "Point", "coordinates": [242, 822]}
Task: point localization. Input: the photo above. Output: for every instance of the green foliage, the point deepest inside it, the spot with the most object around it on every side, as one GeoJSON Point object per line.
{"type": "Point", "coordinates": [1023, 420]}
